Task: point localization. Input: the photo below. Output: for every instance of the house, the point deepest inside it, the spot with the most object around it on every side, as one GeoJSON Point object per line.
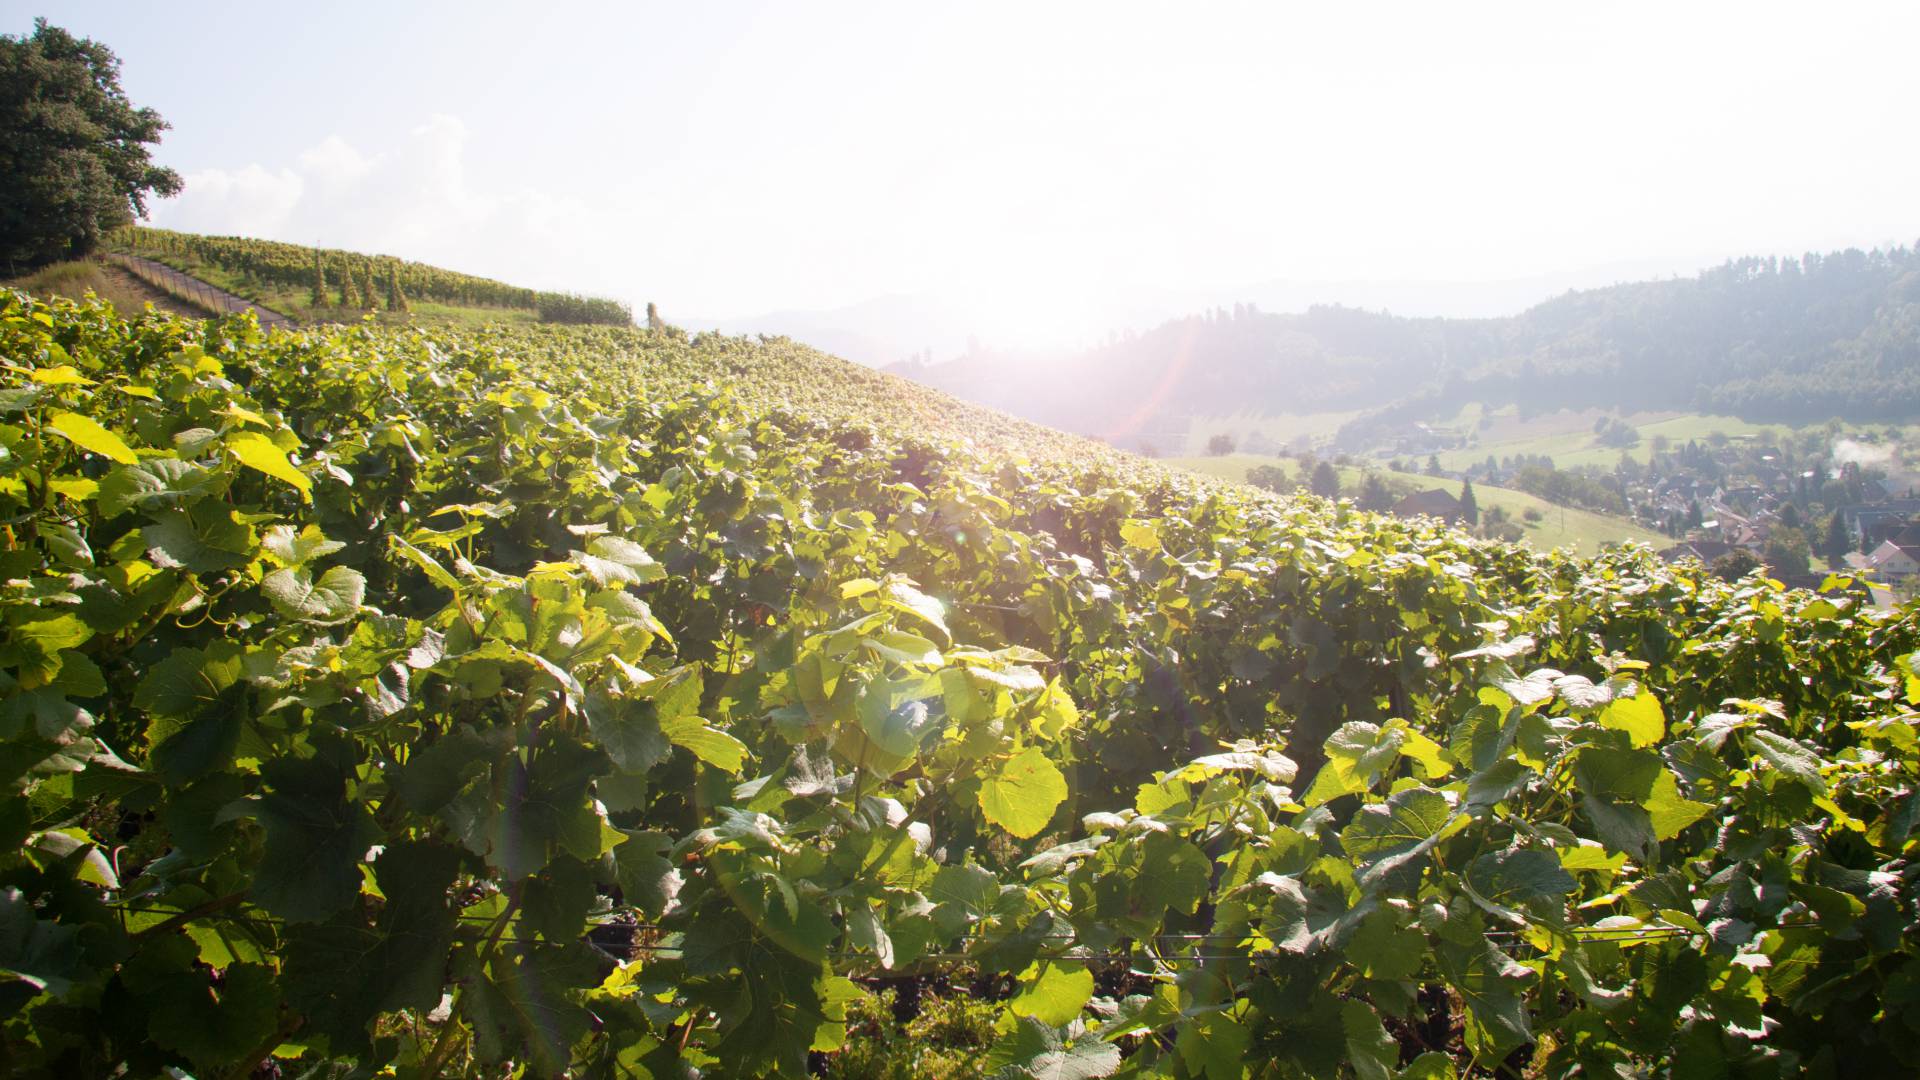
{"type": "Point", "coordinates": [1891, 560]}
{"type": "Point", "coordinates": [1703, 549]}
{"type": "Point", "coordinates": [1430, 503]}
{"type": "Point", "coordinates": [1861, 519]}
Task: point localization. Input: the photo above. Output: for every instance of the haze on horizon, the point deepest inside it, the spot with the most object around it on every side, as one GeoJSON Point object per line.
{"type": "Point", "coordinates": [1042, 175]}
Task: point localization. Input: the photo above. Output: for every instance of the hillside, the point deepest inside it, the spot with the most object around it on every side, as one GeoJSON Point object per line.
{"type": "Point", "coordinates": [668, 703]}
{"type": "Point", "coordinates": [316, 285]}
{"type": "Point", "coordinates": [1762, 339]}
{"type": "Point", "coordinates": [1544, 526]}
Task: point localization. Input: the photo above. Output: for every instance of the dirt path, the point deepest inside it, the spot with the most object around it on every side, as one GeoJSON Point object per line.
{"type": "Point", "coordinates": [196, 292]}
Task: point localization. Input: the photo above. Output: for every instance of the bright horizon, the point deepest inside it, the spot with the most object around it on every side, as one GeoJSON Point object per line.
{"type": "Point", "coordinates": [1050, 174]}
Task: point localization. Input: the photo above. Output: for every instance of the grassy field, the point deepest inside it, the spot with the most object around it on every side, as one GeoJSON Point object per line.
{"type": "Point", "coordinates": [1558, 526]}
{"type": "Point", "coordinates": [1568, 438]}
{"type": "Point", "coordinates": [1282, 430]}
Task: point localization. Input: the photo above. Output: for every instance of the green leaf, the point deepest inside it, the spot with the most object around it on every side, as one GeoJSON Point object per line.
{"type": "Point", "coordinates": [1493, 986]}
{"type": "Point", "coordinates": [316, 839]}
{"type": "Point", "coordinates": [1173, 874]}
{"type": "Point", "coordinates": [1639, 716]}
{"type": "Point", "coordinates": [630, 733]}
{"type": "Point", "coordinates": [42, 953]}
{"type": "Point", "coordinates": [1432, 1065]}
{"type": "Point", "coordinates": [1357, 754]}
{"type": "Point", "coordinates": [902, 648]}
{"type": "Point", "coordinates": [639, 566]}
{"type": "Point", "coordinates": [295, 548]}
{"type": "Point", "coordinates": [1385, 837]}
{"type": "Point", "coordinates": [1383, 949]}
{"type": "Point", "coordinates": [1611, 773]}
{"type": "Point", "coordinates": [216, 1028]}
{"type": "Point", "coordinates": [706, 742]}
{"type": "Point", "coordinates": [1055, 995]}
{"type": "Point", "coordinates": [88, 435]}
{"type": "Point", "coordinates": [206, 543]}
{"type": "Point", "coordinates": [1623, 826]}
{"type": "Point", "coordinates": [1516, 878]}
{"type": "Point", "coordinates": [1372, 1052]}
{"type": "Point", "coordinates": [1672, 813]}
{"type": "Point", "coordinates": [1789, 757]}
{"type": "Point", "coordinates": [258, 452]}
{"type": "Point", "coordinates": [903, 597]}
{"type": "Point", "coordinates": [1037, 1052]}
{"type": "Point", "coordinates": [1214, 1046]}
{"type": "Point", "coordinates": [888, 736]}
{"type": "Point", "coordinates": [648, 879]}
{"type": "Point", "coordinates": [334, 599]}
{"type": "Point", "coordinates": [1022, 794]}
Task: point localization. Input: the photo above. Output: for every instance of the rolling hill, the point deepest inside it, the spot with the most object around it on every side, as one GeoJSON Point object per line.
{"type": "Point", "coordinates": [1796, 340]}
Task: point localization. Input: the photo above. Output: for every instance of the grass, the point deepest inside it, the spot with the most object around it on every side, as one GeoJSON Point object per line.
{"type": "Point", "coordinates": [1280, 430]}
{"type": "Point", "coordinates": [1557, 527]}
{"type": "Point", "coordinates": [76, 278]}
{"type": "Point", "coordinates": [1566, 435]}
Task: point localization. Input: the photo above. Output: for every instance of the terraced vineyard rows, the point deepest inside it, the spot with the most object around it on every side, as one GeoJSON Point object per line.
{"type": "Point", "coordinates": [284, 276]}
{"type": "Point", "coordinates": [604, 703]}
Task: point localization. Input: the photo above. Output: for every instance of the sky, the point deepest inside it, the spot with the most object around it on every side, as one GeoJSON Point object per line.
{"type": "Point", "coordinates": [1050, 171]}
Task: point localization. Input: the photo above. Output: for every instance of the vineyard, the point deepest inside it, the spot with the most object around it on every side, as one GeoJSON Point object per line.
{"type": "Point", "coordinates": [324, 284]}
{"type": "Point", "coordinates": [600, 702]}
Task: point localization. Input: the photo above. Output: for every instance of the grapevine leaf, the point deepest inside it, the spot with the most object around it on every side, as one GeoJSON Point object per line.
{"type": "Point", "coordinates": [1493, 986]}
{"type": "Point", "coordinates": [1639, 716]}
{"type": "Point", "coordinates": [1789, 757]}
{"type": "Point", "coordinates": [1670, 811]}
{"type": "Point", "coordinates": [333, 599]}
{"type": "Point", "coordinates": [258, 452]}
{"type": "Point", "coordinates": [316, 839]}
{"type": "Point", "coordinates": [1022, 794]}
{"type": "Point", "coordinates": [1372, 1051]}
{"type": "Point", "coordinates": [1055, 995]}
{"type": "Point", "coordinates": [87, 434]}
{"type": "Point", "coordinates": [1035, 1051]}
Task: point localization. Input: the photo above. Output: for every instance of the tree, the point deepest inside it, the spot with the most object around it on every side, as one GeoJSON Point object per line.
{"type": "Point", "coordinates": [366, 289]}
{"type": "Point", "coordinates": [346, 285]}
{"type": "Point", "coordinates": [1374, 494]}
{"type": "Point", "coordinates": [1433, 464]}
{"type": "Point", "coordinates": [73, 149]}
{"type": "Point", "coordinates": [1735, 565]}
{"type": "Point", "coordinates": [654, 322]}
{"type": "Point", "coordinates": [1220, 445]}
{"type": "Point", "coordinates": [1787, 551]}
{"type": "Point", "coordinates": [1271, 477]}
{"type": "Point", "coordinates": [1469, 506]}
{"type": "Point", "coordinates": [1326, 480]}
{"type": "Point", "coordinates": [396, 297]}
{"type": "Point", "coordinates": [317, 296]}
{"type": "Point", "coordinates": [1790, 516]}
{"type": "Point", "coordinates": [1835, 544]}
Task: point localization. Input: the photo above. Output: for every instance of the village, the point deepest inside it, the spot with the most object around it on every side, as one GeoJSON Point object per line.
{"type": "Point", "coordinates": [1801, 506]}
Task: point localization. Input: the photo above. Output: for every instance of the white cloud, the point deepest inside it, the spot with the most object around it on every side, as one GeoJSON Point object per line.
{"type": "Point", "coordinates": [416, 199]}
{"type": "Point", "coordinates": [249, 201]}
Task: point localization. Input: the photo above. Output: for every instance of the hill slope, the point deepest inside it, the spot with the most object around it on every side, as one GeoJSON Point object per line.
{"type": "Point", "coordinates": [329, 285]}
{"type": "Point", "coordinates": [569, 701]}
{"type": "Point", "coordinates": [1544, 526]}
{"type": "Point", "coordinates": [1764, 339]}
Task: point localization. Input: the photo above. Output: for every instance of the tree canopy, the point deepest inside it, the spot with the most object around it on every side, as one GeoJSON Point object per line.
{"type": "Point", "coordinates": [73, 148]}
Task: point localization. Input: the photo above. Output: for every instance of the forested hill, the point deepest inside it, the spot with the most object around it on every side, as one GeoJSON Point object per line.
{"type": "Point", "coordinates": [1767, 339]}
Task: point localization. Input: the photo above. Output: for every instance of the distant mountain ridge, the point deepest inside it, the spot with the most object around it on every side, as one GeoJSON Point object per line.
{"type": "Point", "coordinates": [1795, 340]}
